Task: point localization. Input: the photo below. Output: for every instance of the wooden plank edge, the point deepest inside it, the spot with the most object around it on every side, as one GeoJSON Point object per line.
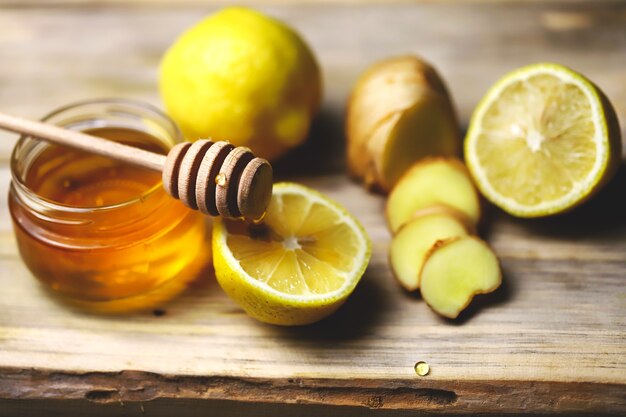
{"type": "Point", "coordinates": [424, 394]}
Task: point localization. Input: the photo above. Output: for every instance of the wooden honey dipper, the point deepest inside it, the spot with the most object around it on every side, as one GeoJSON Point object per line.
{"type": "Point", "coordinates": [216, 178]}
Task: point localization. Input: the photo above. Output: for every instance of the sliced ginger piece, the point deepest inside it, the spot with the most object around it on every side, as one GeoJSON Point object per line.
{"type": "Point", "coordinates": [454, 271]}
{"type": "Point", "coordinates": [414, 240]}
{"type": "Point", "coordinates": [432, 181]}
{"type": "Point", "coordinates": [450, 211]}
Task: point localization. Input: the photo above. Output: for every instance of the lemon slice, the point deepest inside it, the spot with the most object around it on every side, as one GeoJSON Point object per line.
{"type": "Point", "coordinates": [542, 140]}
{"type": "Point", "coordinates": [297, 266]}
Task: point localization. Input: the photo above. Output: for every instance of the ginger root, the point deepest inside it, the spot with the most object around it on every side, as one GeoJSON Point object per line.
{"type": "Point", "coordinates": [398, 113]}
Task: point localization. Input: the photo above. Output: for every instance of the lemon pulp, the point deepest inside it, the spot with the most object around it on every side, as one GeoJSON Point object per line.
{"type": "Point", "coordinates": [538, 143]}
{"type": "Point", "coordinates": [296, 266]}
{"type": "Point", "coordinates": [302, 247]}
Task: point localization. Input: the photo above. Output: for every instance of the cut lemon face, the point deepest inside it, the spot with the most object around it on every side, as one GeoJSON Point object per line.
{"type": "Point", "coordinates": [542, 140]}
{"type": "Point", "coordinates": [299, 264]}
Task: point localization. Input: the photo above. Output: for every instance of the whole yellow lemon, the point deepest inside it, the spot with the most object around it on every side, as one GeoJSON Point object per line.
{"type": "Point", "coordinates": [244, 77]}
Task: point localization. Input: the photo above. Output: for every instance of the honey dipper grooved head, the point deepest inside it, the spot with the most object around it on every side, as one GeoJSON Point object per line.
{"type": "Point", "coordinates": [218, 179]}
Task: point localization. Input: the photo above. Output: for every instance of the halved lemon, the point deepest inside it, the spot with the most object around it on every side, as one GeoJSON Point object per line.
{"type": "Point", "coordinates": [299, 264]}
{"type": "Point", "coordinates": [542, 140]}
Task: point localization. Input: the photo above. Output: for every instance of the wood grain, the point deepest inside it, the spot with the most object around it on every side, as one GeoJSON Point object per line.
{"type": "Point", "coordinates": [551, 340]}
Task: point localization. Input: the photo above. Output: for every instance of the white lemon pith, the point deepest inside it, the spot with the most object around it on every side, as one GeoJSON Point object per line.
{"type": "Point", "coordinates": [540, 141]}
{"type": "Point", "coordinates": [297, 266]}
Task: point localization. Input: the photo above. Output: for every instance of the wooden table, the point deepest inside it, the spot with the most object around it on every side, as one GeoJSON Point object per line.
{"type": "Point", "coordinates": [551, 340]}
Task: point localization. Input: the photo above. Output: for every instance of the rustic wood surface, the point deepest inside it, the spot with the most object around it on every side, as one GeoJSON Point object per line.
{"type": "Point", "coordinates": [551, 340]}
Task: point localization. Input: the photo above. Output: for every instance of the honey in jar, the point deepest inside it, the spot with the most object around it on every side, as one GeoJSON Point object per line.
{"type": "Point", "coordinates": [101, 233]}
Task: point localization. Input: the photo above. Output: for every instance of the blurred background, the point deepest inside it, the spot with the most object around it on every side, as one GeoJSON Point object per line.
{"type": "Point", "coordinates": [53, 52]}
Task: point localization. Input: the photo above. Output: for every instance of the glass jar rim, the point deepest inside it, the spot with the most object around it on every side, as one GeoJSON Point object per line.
{"type": "Point", "coordinates": [23, 190]}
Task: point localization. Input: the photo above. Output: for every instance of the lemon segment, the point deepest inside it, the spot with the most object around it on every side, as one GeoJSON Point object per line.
{"type": "Point", "coordinates": [297, 266]}
{"type": "Point", "coordinates": [542, 140]}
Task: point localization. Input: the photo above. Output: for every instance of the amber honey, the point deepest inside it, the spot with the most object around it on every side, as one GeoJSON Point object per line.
{"type": "Point", "coordinates": [101, 233]}
{"type": "Point", "coordinates": [80, 179]}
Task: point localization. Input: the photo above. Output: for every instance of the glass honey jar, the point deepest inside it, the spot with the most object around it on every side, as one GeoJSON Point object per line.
{"type": "Point", "coordinates": [102, 234]}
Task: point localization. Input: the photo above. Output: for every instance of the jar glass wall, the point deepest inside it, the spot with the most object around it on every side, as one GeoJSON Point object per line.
{"type": "Point", "coordinates": [102, 234]}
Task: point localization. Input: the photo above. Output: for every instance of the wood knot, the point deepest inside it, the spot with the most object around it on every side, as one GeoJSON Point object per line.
{"type": "Point", "coordinates": [218, 179]}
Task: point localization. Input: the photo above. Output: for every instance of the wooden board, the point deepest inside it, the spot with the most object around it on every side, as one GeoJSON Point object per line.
{"type": "Point", "coordinates": [551, 340]}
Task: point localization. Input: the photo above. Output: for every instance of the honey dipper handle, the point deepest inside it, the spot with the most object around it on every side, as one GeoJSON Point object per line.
{"type": "Point", "coordinates": [214, 177]}
{"type": "Point", "coordinates": [84, 142]}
